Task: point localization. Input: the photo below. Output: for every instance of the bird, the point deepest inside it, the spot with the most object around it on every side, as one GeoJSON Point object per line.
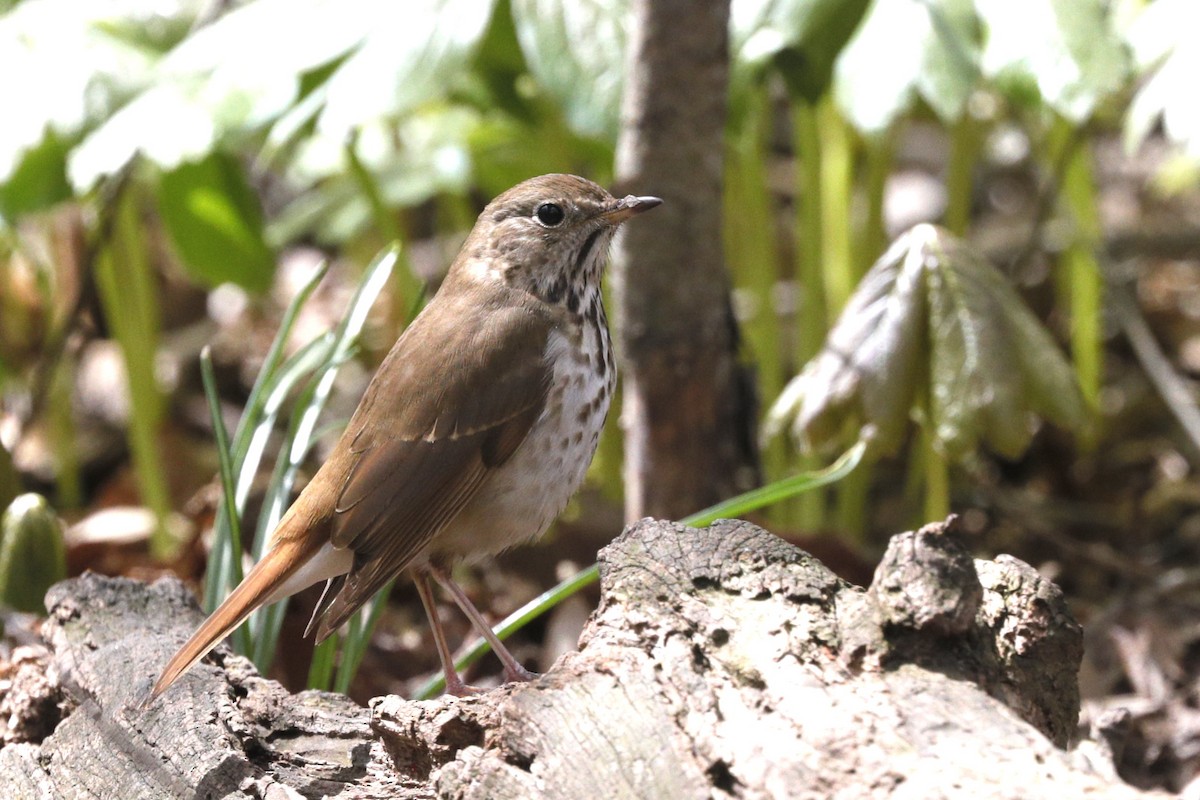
{"type": "Point", "coordinates": [475, 431]}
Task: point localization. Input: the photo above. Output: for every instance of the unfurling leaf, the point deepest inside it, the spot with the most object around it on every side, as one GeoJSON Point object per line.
{"type": "Point", "coordinates": [933, 324]}
{"type": "Point", "coordinates": [33, 556]}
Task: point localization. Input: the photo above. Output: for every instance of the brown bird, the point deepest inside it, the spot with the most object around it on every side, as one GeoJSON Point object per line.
{"type": "Point", "coordinates": [474, 433]}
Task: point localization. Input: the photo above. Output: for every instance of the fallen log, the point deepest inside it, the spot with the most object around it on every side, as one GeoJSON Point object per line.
{"type": "Point", "coordinates": [722, 662]}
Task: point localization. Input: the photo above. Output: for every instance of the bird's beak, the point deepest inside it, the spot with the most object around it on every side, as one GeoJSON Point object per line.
{"type": "Point", "coordinates": [627, 207]}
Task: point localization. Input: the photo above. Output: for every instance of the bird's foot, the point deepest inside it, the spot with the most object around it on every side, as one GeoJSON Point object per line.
{"type": "Point", "coordinates": [515, 673]}
{"type": "Point", "coordinates": [458, 688]}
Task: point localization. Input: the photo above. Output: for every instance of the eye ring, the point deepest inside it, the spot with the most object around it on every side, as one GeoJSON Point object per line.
{"type": "Point", "coordinates": [550, 214]}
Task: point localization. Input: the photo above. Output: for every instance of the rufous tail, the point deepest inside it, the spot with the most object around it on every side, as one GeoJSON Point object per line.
{"type": "Point", "coordinates": [258, 588]}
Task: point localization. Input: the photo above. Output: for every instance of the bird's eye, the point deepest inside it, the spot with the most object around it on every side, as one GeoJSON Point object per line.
{"type": "Point", "coordinates": [550, 214]}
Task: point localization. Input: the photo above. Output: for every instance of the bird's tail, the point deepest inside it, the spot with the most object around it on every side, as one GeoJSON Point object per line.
{"type": "Point", "coordinates": [266, 583]}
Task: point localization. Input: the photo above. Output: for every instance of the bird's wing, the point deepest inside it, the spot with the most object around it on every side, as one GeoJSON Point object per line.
{"type": "Point", "coordinates": [425, 437]}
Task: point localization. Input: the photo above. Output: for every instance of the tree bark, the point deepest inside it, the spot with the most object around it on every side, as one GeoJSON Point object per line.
{"type": "Point", "coordinates": [688, 414]}
{"type": "Point", "coordinates": [722, 662]}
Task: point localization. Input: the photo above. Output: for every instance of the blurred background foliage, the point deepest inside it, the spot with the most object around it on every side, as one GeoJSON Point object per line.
{"type": "Point", "coordinates": [233, 131]}
{"type": "Point", "coordinates": [149, 146]}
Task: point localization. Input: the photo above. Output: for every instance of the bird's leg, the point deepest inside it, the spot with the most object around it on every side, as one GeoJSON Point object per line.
{"type": "Point", "coordinates": [513, 671]}
{"type": "Point", "coordinates": [454, 684]}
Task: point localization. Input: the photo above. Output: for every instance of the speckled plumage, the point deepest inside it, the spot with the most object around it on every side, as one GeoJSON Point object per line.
{"type": "Point", "coordinates": [477, 428]}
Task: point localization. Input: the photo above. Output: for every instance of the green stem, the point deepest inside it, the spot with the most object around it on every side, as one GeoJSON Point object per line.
{"type": "Point", "coordinates": [936, 470]}
{"type": "Point", "coordinates": [753, 258]}
{"type": "Point", "coordinates": [126, 283]}
{"type": "Point", "coordinates": [964, 147]}
{"type": "Point", "coordinates": [851, 504]}
{"type": "Point", "coordinates": [807, 511]}
{"type": "Point", "coordinates": [879, 162]}
{"type": "Point", "coordinates": [1081, 280]}
{"type": "Point", "coordinates": [837, 184]}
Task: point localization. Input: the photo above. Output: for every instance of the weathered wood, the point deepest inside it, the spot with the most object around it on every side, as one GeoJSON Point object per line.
{"type": "Point", "coordinates": [721, 662]}
{"type": "Point", "coordinates": [223, 732]}
{"type": "Point", "coordinates": [725, 663]}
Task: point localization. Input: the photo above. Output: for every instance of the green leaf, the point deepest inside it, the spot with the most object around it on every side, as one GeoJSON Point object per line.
{"type": "Point", "coordinates": [804, 37]}
{"type": "Point", "coordinates": [66, 70]}
{"type": "Point", "coordinates": [933, 319]}
{"type": "Point", "coordinates": [265, 624]}
{"type": "Point", "coordinates": [1068, 50]}
{"type": "Point", "coordinates": [576, 51]}
{"type": "Point", "coordinates": [214, 220]}
{"type": "Point", "coordinates": [904, 50]}
{"type": "Point", "coordinates": [38, 181]}
{"type": "Point", "coordinates": [412, 52]}
{"type": "Point", "coordinates": [1162, 37]}
{"type": "Point", "coordinates": [33, 555]}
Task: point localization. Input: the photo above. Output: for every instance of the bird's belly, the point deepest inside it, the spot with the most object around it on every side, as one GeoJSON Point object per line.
{"type": "Point", "coordinates": [518, 501]}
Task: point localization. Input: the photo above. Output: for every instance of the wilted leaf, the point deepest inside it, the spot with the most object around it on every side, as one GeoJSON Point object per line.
{"type": "Point", "coordinates": [33, 555]}
{"type": "Point", "coordinates": [932, 319]}
{"type": "Point", "coordinates": [906, 49]}
{"type": "Point", "coordinates": [214, 220]}
{"type": "Point", "coordinates": [1068, 50]}
{"type": "Point", "coordinates": [1163, 41]}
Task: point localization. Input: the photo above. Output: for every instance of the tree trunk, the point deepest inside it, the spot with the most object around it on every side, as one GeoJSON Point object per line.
{"type": "Point", "coordinates": [688, 415]}
{"type": "Point", "coordinates": [722, 662]}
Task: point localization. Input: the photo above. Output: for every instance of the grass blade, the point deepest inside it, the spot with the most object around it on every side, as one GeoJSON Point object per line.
{"type": "Point", "coordinates": [245, 460]}
{"type": "Point", "coordinates": [228, 479]}
{"type": "Point", "coordinates": [266, 623]}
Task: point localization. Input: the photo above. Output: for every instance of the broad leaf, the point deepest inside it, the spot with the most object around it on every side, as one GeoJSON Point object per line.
{"type": "Point", "coordinates": [413, 52]}
{"type": "Point", "coordinates": [933, 324]}
{"type": "Point", "coordinates": [905, 50]}
{"type": "Point", "coordinates": [1067, 51]}
{"type": "Point", "coordinates": [68, 65]}
{"type": "Point", "coordinates": [576, 51]}
{"type": "Point", "coordinates": [214, 220]}
{"type": "Point", "coordinates": [1163, 40]}
{"type": "Point", "coordinates": [39, 180]}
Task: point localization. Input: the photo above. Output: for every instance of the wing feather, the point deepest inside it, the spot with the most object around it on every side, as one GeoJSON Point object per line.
{"type": "Point", "coordinates": [424, 439]}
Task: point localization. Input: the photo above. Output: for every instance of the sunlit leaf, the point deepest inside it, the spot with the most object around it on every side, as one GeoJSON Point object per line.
{"type": "Point", "coordinates": [425, 154]}
{"type": "Point", "coordinates": [803, 36]}
{"type": "Point", "coordinates": [166, 124]}
{"type": "Point", "coordinates": [576, 51]}
{"type": "Point", "coordinates": [64, 68]}
{"type": "Point", "coordinates": [1163, 40]}
{"type": "Point", "coordinates": [1067, 50]}
{"type": "Point", "coordinates": [214, 220]}
{"type": "Point", "coordinates": [413, 52]}
{"type": "Point", "coordinates": [67, 65]}
{"type": "Point", "coordinates": [933, 324]}
{"type": "Point", "coordinates": [904, 50]}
